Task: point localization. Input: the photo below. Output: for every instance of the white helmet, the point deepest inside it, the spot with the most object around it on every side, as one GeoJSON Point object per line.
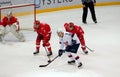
{"type": "Point", "coordinates": [59, 30]}
{"type": "Point", "coordinates": [9, 14]}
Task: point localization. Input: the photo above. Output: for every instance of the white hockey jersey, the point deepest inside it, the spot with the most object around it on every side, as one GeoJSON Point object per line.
{"type": "Point", "coordinates": [67, 40]}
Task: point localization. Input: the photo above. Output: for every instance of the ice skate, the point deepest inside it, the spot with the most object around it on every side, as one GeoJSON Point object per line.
{"type": "Point", "coordinates": [80, 64]}
{"type": "Point", "coordinates": [71, 62]}
{"type": "Point", "coordinates": [36, 52]}
{"type": "Point", "coordinates": [50, 53]}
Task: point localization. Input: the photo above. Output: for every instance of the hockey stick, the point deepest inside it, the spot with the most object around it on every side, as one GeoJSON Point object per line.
{"type": "Point", "coordinates": [89, 49]}
{"type": "Point", "coordinates": [48, 62]}
{"type": "Point", "coordinates": [47, 55]}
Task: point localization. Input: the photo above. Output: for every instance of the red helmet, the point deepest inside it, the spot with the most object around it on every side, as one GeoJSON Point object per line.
{"type": "Point", "coordinates": [71, 24]}
{"type": "Point", "coordinates": [37, 22]}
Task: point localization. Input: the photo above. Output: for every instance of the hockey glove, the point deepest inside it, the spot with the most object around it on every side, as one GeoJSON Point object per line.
{"type": "Point", "coordinates": [73, 42]}
{"type": "Point", "coordinates": [60, 52]}
{"type": "Point", "coordinates": [43, 44]}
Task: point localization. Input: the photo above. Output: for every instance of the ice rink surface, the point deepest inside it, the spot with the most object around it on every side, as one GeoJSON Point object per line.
{"type": "Point", "coordinates": [17, 59]}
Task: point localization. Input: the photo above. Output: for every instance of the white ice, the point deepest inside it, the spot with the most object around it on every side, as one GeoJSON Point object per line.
{"type": "Point", "coordinates": [17, 59]}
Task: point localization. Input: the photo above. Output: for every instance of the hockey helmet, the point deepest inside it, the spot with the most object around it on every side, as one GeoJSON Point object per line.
{"type": "Point", "coordinates": [59, 30]}
{"type": "Point", "coordinates": [37, 22]}
{"type": "Point", "coordinates": [9, 14]}
{"type": "Point", "coordinates": [71, 24]}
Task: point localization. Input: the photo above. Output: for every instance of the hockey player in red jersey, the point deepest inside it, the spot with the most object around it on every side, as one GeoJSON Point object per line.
{"type": "Point", "coordinates": [44, 34]}
{"type": "Point", "coordinates": [11, 24]}
{"type": "Point", "coordinates": [75, 29]}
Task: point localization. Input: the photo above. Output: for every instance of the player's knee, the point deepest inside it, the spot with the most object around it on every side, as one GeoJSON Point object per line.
{"type": "Point", "coordinates": [46, 43]}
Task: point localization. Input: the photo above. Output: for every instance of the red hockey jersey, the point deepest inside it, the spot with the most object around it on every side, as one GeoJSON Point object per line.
{"type": "Point", "coordinates": [78, 31]}
{"type": "Point", "coordinates": [44, 29]}
{"type": "Point", "coordinates": [6, 21]}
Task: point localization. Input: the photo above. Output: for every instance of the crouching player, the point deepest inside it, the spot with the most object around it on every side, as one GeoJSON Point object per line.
{"type": "Point", "coordinates": [69, 43]}
{"type": "Point", "coordinates": [76, 29]}
{"type": "Point", "coordinates": [11, 24]}
{"type": "Point", "coordinates": [43, 34]}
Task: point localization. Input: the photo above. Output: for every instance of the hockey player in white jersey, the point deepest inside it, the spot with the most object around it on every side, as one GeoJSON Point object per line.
{"type": "Point", "coordinates": [70, 44]}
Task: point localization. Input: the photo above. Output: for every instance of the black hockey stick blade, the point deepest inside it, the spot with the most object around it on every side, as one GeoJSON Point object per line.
{"type": "Point", "coordinates": [43, 65]}
{"type": "Point", "coordinates": [49, 62]}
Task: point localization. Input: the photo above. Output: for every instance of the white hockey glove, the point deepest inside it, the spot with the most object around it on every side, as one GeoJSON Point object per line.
{"type": "Point", "coordinates": [73, 42]}
{"type": "Point", "coordinates": [16, 26]}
